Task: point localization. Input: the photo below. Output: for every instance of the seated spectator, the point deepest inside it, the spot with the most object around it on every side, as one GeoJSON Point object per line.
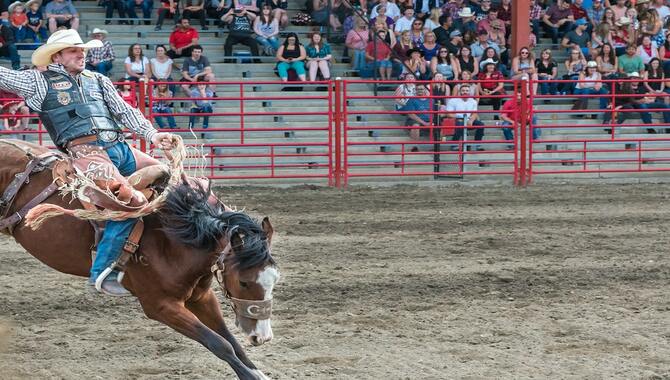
{"type": "Point", "coordinates": [523, 66]}
{"type": "Point", "coordinates": [403, 23]}
{"type": "Point", "coordinates": [248, 5]}
{"type": "Point", "coordinates": [446, 27]}
{"type": "Point", "coordinates": [619, 7]}
{"type": "Point", "coordinates": [416, 64]}
{"type": "Point", "coordinates": [266, 27]}
{"type": "Point", "coordinates": [574, 65]}
{"type": "Point", "coordinates": [433, 20]}
{"type": "Point", "coordinates": [100, 59]}
{"type": "Point", "coordinates": [379, 53]}
{"type": "Point", "coordinates": [162, 104]}
{"type": "Point", "coordinates": [429, 47]}
{"type": "Point", "coordinates": [168, 9]}
{"type": "Point", "coordinates": [558, 20]}
{"type": "Point", "coordinates": [401, 48]}
{"type": "Point", "coordinates": [608, 63]}
{"type": "Point", "coordinates": [196, 68]}
{"type": "Point", "coordinates": [647, 50]}
{"type": "Point", "coordinates": [578, 38]}
{"type": "Point", "coordinates": [322, 16]}
{"type": "Point", "coordinates": [631, 62]}
{"type": "Point", "coordinates": [547, 69]}
{"type": "Point", "coordinates": [356, 42]}
{"type": "Point", "coordinates": [146, 5]}
{"type": "Point", "coordinates": [609, 17]}
{"type": "Point", "coordinates": [482, 44]}
{"type": "Point", "coordinates": [416, 32]}
{"type": "Point", "coordinates": [217, 8]}
{"type": "Point", "coordinates": [417, 108]}
{"type": "Point", "coordinates": [61, 13]}
{"type": "Point", "coordinates": [510, 117]}
{"type": "Point", "coordinates": [466, 22]}
{"type": "Point", "coordinates": [241, 32]}
{"type": "Point", "coordinates": [474, 89]}
{"type": "Point", "coordinates": [35, 26]}
{"type": "Point", "coordinates": [381, 16]}
{"type": "Point", "coordinates": [7, 46]}
{"type": "Point", "coordinates": [652, 26]}
{"type": "Point", "coordinates": [461, 109]}
{"type": "Point", "coordinates": [624, 35]}
{"type": "Point", "coordinates": [589, 84]}
{"type": "Point", "coordinates": [465, 61]}
{"type": "Point", "coordinates": [195, 9]}
{"type": "Point", "coordinates": [120, 7]}
{"type": "Point", "coordinates": [12, 106]}
{"type": "Point", "coordinates": [536, 13]}
{"type": "Point", "coordinates": [318, 57]}
{"type": "Point", "coordinates": [638, 103]}
{"type": "Point", "coordinates": [390, 36]}
{"type": "Point", "coordinates": [490, 53]}
{"type": "Point", "coordinates": [182, 40]}
{"type": "Point", "coordinates": [482, 11]}
{"type": "Point", "coordinates": [491, 84]}
{"type": "Point", "coordinates": [405, 90]}
{"type": "Point", "coordinates": [291, 55]}
{"type": "Point", "coordinates": [455, 42]}
{"type": "Point", "coordinates": [279, 12]}
{"type": "Point", "coordinates": [440, 91]}
{"type": "Point", "coordinates": [161, 67]}
{"type": "Point", "coordinates": [443, 63]}
{"type": "Point", "coordinates": [601, 35]}
{"type": "Point", "coordinates": [18, 20]}
{"type": "Point", "coordinates": [137, 65]}
{"type": "Point", "coordinates": [125, 90]}
{"type": "Point", "coordinates": [392, 10]}
{"type": "Point", "coordinates": [204, 106]}
{"type": "Point", "coordinates": [654, 79]}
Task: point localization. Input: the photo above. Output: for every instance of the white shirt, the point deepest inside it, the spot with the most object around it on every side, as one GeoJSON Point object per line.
{"type": "Point", "coordinates": [403, 24]}
{"type": "Point", "coordinates": [663, 11]}
{"type": "Point", "coordinates": [392, 11]}
{"type": "Point", "coordinates": [160, 70]}
{"type": "Point", "coordinates": [137, 67]}
{"type": "Point", "coordinates": [430, 25]}
{"type": "Point", "coordinates": [459, 104]}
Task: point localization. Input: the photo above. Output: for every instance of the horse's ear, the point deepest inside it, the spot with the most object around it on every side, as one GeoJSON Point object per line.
{"type": "Point", "coordinates": [236, 240]}
{"type": "Point", "coordinates": [267, 227]}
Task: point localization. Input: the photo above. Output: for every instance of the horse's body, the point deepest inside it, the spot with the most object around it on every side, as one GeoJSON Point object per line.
{"type": "Point", "coordinates": [171, 281]}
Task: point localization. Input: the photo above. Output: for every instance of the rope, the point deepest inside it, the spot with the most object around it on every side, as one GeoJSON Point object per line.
{"type": "Point", "coordinates": [176, 156]}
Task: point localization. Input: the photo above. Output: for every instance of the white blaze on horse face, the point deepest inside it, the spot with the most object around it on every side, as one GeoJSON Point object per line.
{"type": "Point", "coordinates": [268, 278]}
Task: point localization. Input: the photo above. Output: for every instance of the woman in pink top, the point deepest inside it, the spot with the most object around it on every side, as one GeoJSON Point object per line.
{"type": "Point", "coordinates": [357, 41]}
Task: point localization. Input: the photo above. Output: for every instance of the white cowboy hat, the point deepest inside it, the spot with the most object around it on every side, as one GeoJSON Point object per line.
{"type": "Point", "coordinates": [622, 21]}
{"type": "Point", "coordinates": [591, 64]}
{"type": "Point", "coordinates": [634, 74]}
{"type": "Point", "coordinates": [61, 39]}
{"type": "Point", "coordinates": [99, 31]}
{"type": "Point", "coordinates": [465, 12]}
{"type": "Point", "coordinates": [488, 61]}
{"type": "Point", "coordinates": [31, 2]}
{"type": "Point", "coordinates": [11, 7]}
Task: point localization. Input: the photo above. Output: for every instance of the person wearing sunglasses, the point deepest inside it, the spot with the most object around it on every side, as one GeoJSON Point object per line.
{"type": "Point", "coordinates": [405, 22]}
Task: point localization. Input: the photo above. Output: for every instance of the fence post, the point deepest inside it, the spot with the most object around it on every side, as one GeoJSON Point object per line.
{"type": "Point", "coordinates": [142, 108]}
{"type": "Point", "coordinates": [523, 122]}
{"type": "Point", "coordinates": [337, 125]}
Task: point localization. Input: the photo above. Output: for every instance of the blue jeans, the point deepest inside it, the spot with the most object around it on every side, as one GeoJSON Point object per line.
{"type": "Point", "coordinates": [557, 33]}
{"type": "Point", "coordinates": [509, 133]}
{"type": "Point", "coordinates": [19, 34]}
{"type": "Point", "coordinates": [646, 116]}
{"type": "Point", "coordinates": [359, 59]}
{"type": "Point", "coordinates": [458, 132]}
{"type": "Point", "coordinates": [30, 34]}
{"type": "Point", "coordinates": [548, 88]}
{"type": "Point", "coordinates": [103, 67]}
{"type": "Point", "coordinates": [269, 44]}
{"type": "Point", "coordinates": [116, 232]}
{"type": "Point", "coordinates": [592, 91]}
{"type": "Point", "coordinates": [170, 119]}
{"type": "Point", "coordinates": [147, 5]}
{"type": "Point", "coordinates": [10, 52]}
{"type": "Point", "coordinates": [206, 109]}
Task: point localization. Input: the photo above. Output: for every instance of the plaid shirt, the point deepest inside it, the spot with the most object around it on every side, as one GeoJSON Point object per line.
{"type": "Point", "coordinates": [32, 86]}
{"type": "Point", "coordinates": [452, 10]}
{"type": "Point", "coordinates": [596, 16]}
{"type": "Point", "coordinates": [536, 12]}
{"type": "Point", "coordinates": [104, 53]}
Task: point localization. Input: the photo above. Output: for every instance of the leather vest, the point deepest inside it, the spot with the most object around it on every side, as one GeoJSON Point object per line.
{"type": "Point", "coordinates": [70, 111]}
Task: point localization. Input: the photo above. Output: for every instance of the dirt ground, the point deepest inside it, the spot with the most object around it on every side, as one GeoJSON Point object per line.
{"type": "Point", "coordinates": [551, 282]}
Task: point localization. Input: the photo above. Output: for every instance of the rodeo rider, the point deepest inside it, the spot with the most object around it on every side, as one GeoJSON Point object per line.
{"type": "Point", "coordinates": [82, 112]}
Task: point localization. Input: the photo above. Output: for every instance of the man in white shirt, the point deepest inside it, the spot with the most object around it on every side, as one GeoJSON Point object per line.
{"type": "Point", "coordinates": [405, 22]}
{"type": "Point", "coordinates": [392, 10]}
{"type": "Point", "coordinates": [461, 110]}
{"type": "Point", "coordinates": [661, 8]}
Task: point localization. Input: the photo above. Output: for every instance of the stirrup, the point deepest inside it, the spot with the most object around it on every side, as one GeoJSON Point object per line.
{"type": "Point", "coordinates": [102, 277]}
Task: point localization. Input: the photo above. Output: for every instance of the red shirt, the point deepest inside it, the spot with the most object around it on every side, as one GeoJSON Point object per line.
{"type": "Point", "coordinates": [579, 12]}
{"type": "Point", "coordinates": [496, 76]}
{"type": "Point", "coordinates": [180, 38]}
{"type": "Point", "coordinates": [383, 50]}
{"type": "Point", "coordinates": [509, 106]}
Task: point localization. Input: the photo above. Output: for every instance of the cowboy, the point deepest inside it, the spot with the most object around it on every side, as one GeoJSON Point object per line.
{"type": "Point", "coordinates": [83, 114]}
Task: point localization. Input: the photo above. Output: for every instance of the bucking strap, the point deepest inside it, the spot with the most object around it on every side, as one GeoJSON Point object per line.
{"type": "Point", "coordinates": [130, 246]}
{"type": "Point", "coordinates": [21, 178]}
{"type": "Point", "coordinates": [16, 217]}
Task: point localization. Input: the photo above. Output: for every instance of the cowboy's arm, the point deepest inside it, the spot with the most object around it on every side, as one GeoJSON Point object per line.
{"type": "Point", "coordinates": [22, 83]}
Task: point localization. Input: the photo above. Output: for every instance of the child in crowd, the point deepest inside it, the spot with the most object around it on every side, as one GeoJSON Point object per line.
{"type": "Point", "coordinates": [13, 123]}
{"type": "Point", "coordinates": [18, 20]}
{"type": "Point", "coordinates": [35, 26]}
{"type": "Point", "coordinates": [126, 92]}
{"type": "Point", "coordinates": [201, 90]}
{"type": "Point", "coordinates": [162, 105]}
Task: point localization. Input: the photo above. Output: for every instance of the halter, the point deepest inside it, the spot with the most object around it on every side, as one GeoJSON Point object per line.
{"type": "Point", "coordinates": [252, 309]}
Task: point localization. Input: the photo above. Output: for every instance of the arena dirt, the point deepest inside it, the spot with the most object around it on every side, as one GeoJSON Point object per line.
{"type": "Point", "coordinates": [552, 282]}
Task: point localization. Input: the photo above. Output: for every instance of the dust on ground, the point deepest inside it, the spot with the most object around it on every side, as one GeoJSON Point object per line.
{"type": "Point", "coordinates": [402, 282]}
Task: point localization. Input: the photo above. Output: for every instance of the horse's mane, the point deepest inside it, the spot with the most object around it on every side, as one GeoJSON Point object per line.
{"type": "Point", "coordinates": [188, 217]}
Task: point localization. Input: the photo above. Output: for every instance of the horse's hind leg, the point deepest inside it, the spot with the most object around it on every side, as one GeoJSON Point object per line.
{"type": "Point", "coordinates": [206, 307]}
{"type": "Point", "coordinates": [175, 315]}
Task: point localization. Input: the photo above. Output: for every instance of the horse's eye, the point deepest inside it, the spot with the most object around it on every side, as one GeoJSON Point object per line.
{"type": "Point", "coordinates": [244, 284]}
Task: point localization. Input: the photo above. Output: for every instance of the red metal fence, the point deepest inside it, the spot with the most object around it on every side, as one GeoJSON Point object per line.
{"type": "Point", "coordinates": [342, 130]}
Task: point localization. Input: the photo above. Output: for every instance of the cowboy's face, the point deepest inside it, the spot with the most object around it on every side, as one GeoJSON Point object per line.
{"type": "Point", "coordinates": [71, 58]}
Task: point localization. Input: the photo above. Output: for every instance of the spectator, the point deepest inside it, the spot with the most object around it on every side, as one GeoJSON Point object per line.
{"type": "Point", "coordinates": [168, 9]}
{"type": "Point", "coordinates": [279, 12]}
{"type": "Point", "coordinates": [433, 20]}
{"type": "Point", "coordinates": [266, 27]}
{"type": "Point", "coordinates": [7, 46]}
{"type": "Point", "coordinates": [248, 5]}
{"type": "Point", "coordinates": [201, 95]}
{"type": "Point", "coordinates": [452, 7]}
{"type": "Point", "coordinates": [510, 116]}
{"type": "Point", "coordinates": [637, 102]}
{"type": "Point", "coordinates": [523, 66]}
{"type": "Point", "coordinates": [580, 13]}
{"type": "Point", "coordinates": [416, 32]}
{"type": "Point", "coordinates": [547, 70]}
{"type": "Point", "coordinates": [322, 16]}
{"type": "Point", "coordinates": [466, 62]}
{"type": "Point", "coordinates": [662, 9]}
{"type": "Point", "coordinates": [505, 14]}
{"type": "Point", "coordinates": [125, 90]}
{"type": "Point", "coordinates": [196, 68]}
{"type": "Point", "coordinates": [596, 13]}
{"type": "Point", "coordinates": [390, 23]}
{"type": "Point", "coordinates": [182, 40]}
{"type": "Point", "coordinates": [291, 56]}
{"type": "Point", "coordinates": [405, 22]}
{"type": "Point", "coordinates": [490, 53]}
{"type": "Point", "coordinates": [492, 24]}
{"type": "Point", "coordinates": [536, 13]}
{"type": "Point", "coordinates": [455, 42]}
{"type": "Point", "coordinates": [619, 9]}
{"type": "Point", "coordinates": [120, 7]}
{"type": "Point", "coordinates": [442, 32]}
{"type": "Point", "coordinates": [482, 11]}
{"type": "Point", "coordinates": [482, 44]}
{"type": "Point", "coordinates": [624, 34]}
{"type": "Point", "coordinates": [607, 62]}
{"type": "Point", "coordinates": [574, 65]}
{"type": "Point", "coordinates": [601, 35]}
{"type": "Point", "coordinates": [589, 84]}
{"type": "Point", "coordinates": [647, 50]}
{"type": "Point", "coordinates": [35, 25]}
{"type": "Point", "coordinates": [429, 47]}
{"type": "Point", "coordinates": [100, 59]}
{"type": "Point", "coordinates": [439, 90]}
{"type": "Point", "coordinates": [491, 84]}
{"type": "Point", "coordinates": [631, 62]}
{"type": "Point", "coordinates": [137, 65]}
{"type": "Point", "coordinates": [161, 67]}
{"type": "Point", "coordinates": [356, 42]}
{"type": "Point", "coordinates": [61, 13]}
{"type": "Point", "coordinates": [578, 38]}
{"type": "Point", "coordinates": [445, 64]}
{"type": "Point", "coordinates": [162, 104]}
{"type": "Point", "coordinates": [392, 10]}
{"type": "Point", "coordinates": [461, 109]}
{"type": "Point", "coordinates": [416, 64]}
{"type": "Point", "coordinates": [422, 8]}
{"type": "Point", "coordinates": [318, 57]}
{"type": "Point", "coordinates": [558, 20]}
{"type": "Point", "coordinates": [13, 105]}
{"type": "Point", "coordinates": [217, 8]}
{"type": "Point", "coordinates": [654, 78]}
{"type": "Point", "coordinates": [608, 17]}
{"type": "Point", "coordinates": [652, 26]}
{"type": "Point", "coordinates": [631, 13]}
{"type": "Point", "coordinates": [390, 36]}
{"type": "Point", "coordinates": [474, 90]}
{"type": "Point", "coordinates": [404, 91]}
{"type": "Point", "coordinates": [195, 9]}
{"type": "Point", "coordinates": [379, 53]}
{"type": "Point", "coordinates": [418, 115]}
{"type": "Point", "coordinates": [239, 22]}
{"type": "Point", "coordinates": [146, 5]}
{"type": "Point", "coordinates": [18, 20]}
{"type": "Point", "coordinates": [466, 23]}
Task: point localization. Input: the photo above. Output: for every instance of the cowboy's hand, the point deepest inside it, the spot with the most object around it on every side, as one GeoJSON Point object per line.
{"type": "Point", "coordinates": [164, 140]}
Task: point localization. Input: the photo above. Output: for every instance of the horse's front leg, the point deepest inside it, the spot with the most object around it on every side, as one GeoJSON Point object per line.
{"type": "Point", "coordinates": [174, 314]}
{"type": "Point", "coordinates": [206, 307]}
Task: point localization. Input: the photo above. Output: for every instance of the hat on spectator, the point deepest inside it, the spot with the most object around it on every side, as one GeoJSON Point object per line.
{"type": "Point", "coordinates": [61, 39]}
{"type": "Point", "coordinates": [591, 64]}
{"type": "Point", "coordinates": [634, 74]}
{"type": "Point", "coordinates": [638, 2]}
{"type": "Point", "coordinates": [455, 33]}
{"type": "Point", "coordinates": [410, 51]}
{"type": "Point", "coordinates": [99, 31]}
{"type": "Point", "coordinates": [622, 21]}
{"type": "Point", "coordinates": [488, 61]}
{"type": "Point", "coordinates": [466, 12]}
{"type": "Point", "coordinates": [581, 21]}
{"type": "Point", "coordinates": [15, 4]}
{"type": "Point", "coordinates": [31, 2]}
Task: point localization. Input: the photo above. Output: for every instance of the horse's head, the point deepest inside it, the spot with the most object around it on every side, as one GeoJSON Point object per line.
{"type": "Point", "coordinates": [247, 272]}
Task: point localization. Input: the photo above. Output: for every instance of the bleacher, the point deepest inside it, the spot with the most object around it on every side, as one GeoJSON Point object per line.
{"type": "Point", "coordinates": [304, 138]}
